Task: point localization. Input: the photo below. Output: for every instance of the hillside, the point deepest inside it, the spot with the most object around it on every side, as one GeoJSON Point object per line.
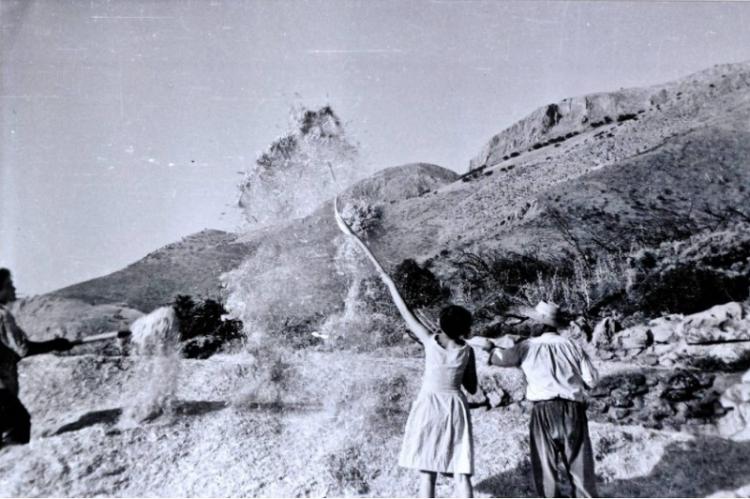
{"type": "Point", "coordinates": [678, 167]}
{"type": "Point", "coordinates": [190, 266]}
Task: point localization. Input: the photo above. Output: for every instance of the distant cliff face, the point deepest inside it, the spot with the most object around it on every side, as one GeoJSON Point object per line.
{"type": "Point", "coordinates": [557, 122]}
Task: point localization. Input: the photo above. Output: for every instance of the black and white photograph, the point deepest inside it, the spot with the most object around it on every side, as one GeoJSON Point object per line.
{"type": "Point", "coordinates": [374, 248]}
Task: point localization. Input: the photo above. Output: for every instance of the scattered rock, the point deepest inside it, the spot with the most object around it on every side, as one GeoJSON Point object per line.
{"type": "Point", "coordinates": [620, 398]}
{"type": "Point", "coordinates": [635, 338]}
{"type": "Point", "coordinates": [663, 329]}
{"type": "Point", "coordinates": [736, 424]}
{"type": "Point", "coordinates": [619, 413]}
{"type": "Point", "coordinates": [501, 386]}
{"type": "Point", "coordinates": [719, 324]}
{"type": "Point", "coordinates": [604, 333]}
{"type": "Point", "coordinates": [505, 341]}
{"type": "Point", "coordinates": [682, 386]}
{"type": "Point", "coordinates": [498, 398]}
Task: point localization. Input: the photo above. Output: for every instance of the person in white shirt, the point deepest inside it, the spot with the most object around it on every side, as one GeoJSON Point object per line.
{"type": "Point", "coordinates": [558, 372]}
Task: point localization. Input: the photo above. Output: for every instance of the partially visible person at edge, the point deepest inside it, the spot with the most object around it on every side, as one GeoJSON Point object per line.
{"type": "Point", "coordinates": [557, 374]}
{"type": "Point", "coordinates": [15, 421]}
{"type": "Point", "coordinates": [438, 435]}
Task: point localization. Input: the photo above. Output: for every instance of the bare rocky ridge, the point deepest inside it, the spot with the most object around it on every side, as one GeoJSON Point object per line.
{"type": "Point", "coordinates": [672, 107]}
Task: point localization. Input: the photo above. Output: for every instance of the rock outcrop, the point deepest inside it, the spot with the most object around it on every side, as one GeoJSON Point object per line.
{"type": "Point", "coordinates": [554, 123]}
{"type": "Point", "coordinates": [713, 339]}
{"type": "Point", "coordinates": [736, 424]}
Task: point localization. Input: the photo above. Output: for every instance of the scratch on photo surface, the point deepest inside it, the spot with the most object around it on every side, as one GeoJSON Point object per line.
{"type": "Point", "coordinates": [362, 51]}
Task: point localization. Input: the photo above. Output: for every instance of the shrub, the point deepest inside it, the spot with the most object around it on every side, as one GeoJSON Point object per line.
{"type": "Point", "coordinates": [626, 117]}
{"type": "Point", "coordinates": [686, 289]}
{"type": "Point", "coordinates": [418, 285]}
{"type": "Point", "coordinates": [587, 289]}
{"type": "Point", "coordinates": [508, 271]}
{"type": "Point", "coordinates": [364, 218]}
{"type": "Point", "coordinates": [203, 331]}
{"type": "Point", "coordinates": [691, 275]}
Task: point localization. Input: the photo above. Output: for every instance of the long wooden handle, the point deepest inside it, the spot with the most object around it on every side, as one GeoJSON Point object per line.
{"type": "Point", "coordinates": [103, 337]}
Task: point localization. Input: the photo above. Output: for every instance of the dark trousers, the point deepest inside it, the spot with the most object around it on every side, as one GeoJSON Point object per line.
{"type": "Point", "coordinates": [15, 421]}
{"type": "Point", "coordinates": [560, 439]}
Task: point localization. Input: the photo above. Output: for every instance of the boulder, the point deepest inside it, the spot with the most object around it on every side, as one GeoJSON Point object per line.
{"type": "Point", "coordinates": [506, 341]}
{"type": "Point", "coordinates": [604, 333]}
{"type": "Point", "coordinates": [621, 398]}
{"type": "Point", "coordinates": [664, 329]}
{"type": "Point", "coordinates": [719, 324]}
{"type": "Point", "coordinates": [502, 386]}
{"type": "Point", "coordinates": [721, 356]}
{"type": "Point", "coordinates": [681, 386]}
{"type": "Point", "coordinates": [736, 424]}
{"type": "Point", "coordinates": [634, 338]}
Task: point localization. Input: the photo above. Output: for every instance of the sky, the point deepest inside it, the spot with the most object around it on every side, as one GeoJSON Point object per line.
{"type": "Point", "coordinates": [124, 124]}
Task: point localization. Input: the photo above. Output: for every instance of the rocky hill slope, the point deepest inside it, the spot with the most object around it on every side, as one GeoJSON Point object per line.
{"type": "Point", "coordinates": [190, 266]}
{"type": "Point", "coordinates": [633, 168]}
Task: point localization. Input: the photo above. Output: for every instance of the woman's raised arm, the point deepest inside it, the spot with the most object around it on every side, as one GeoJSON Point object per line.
{"type": "Point", "coordinates": [420, 331]}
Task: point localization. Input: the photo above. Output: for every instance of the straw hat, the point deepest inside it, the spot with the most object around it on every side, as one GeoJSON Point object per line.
{"type": "Point", "coordinates": [544, 313]}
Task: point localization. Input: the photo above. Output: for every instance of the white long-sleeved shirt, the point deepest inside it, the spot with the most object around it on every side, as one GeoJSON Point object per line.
{"type": "Point", "coordinates": [554, 367]}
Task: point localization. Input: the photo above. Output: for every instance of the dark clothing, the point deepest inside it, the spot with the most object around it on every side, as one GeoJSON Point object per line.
{"type": "Point", "coordinates": [560, 436]}
{"type": "Point", "coordinates": [15, 421]}
{"type": "Point", "coordinates": [13, 347]}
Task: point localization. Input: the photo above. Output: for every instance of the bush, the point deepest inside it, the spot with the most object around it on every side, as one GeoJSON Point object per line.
{"type": "Point", "coordinates": [509, 271]}
{"type": "Point", "coordinates": [203, 331]}
{"type": "Point", "coordinates": [692, 275]}
{"type": "Point", "coordinates": [418, 285]}
{"type": "Point", "coordinates": [626, 117]}
{"type": "Point", "coordinates": [364, 218]}
{"type": "Point", "coordinates": [685, 289]}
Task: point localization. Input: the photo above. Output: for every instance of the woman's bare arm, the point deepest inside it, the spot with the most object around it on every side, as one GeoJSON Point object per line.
{"type": "Point", "coordinates": [469, 380]}
{"type": "Point", "coordinates": [415, 326]}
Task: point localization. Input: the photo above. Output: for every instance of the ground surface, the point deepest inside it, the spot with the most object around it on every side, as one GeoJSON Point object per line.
{"type": "Point", "coordinates": [333, 428]}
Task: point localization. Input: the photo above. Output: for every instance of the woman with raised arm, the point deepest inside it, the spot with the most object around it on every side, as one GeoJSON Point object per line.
{"type": "Point", "coordinates": [438, 436]}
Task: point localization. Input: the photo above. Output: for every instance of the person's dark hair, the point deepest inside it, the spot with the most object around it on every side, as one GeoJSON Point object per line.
{"type": "Point", "coordinates": [455, 321]}
{"type": "Point", "coordinates": [4, 275]}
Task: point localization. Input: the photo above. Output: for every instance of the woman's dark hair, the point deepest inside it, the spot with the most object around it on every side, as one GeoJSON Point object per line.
{"type": "Point", "coordinates": [4, 275]}
{"type": "Point", "coordinates": [455, 321]}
